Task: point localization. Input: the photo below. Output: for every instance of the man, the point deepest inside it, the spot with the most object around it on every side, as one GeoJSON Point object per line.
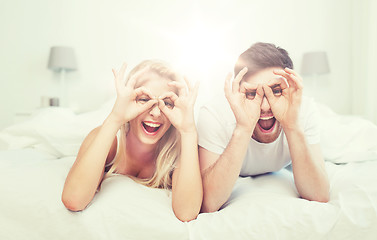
{"type": "Point", "coordinates": [263, 125]}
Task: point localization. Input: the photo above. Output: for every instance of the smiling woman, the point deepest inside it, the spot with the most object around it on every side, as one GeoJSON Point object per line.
{"type": "Point", "coordinates": [150, 136]}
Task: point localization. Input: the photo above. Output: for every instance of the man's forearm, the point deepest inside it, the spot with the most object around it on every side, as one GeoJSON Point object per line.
{"type": "Point", "coordinates": [219, 178]}
{"type": "Point", "coordinates": [308, 167]}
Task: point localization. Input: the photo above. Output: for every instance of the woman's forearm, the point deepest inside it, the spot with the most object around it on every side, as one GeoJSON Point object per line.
{"type": "Point", "coordinates": [187, 181]}
{"type": "Point", "coordinates": [87, 171]}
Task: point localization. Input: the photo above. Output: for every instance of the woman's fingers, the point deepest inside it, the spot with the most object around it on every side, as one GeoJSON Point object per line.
{"type": "Point", "coordinates": [114, 73]}
{"type": "Point", "coordinates": [148, 105]}
{"type": "Point", "coordinates": [164, 109]}
{"type": "Point", "coordinates": [132, 81]}
{"type": "Point", "coordinates": [143, 91]}
{"type": "Point", "coordinates": [170, 95]}
{"type": "Point", "coordinates": [120, 74]}
{"type": "Point", "coordinates": [181, 86]}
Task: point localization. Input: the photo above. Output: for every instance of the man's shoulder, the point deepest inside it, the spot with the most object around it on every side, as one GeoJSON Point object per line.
{"type": "Point", "coordinates": [218, 106]}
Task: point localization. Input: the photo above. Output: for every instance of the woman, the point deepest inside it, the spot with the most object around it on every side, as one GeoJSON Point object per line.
{"type": "Point", "coordinates": [156, 144]}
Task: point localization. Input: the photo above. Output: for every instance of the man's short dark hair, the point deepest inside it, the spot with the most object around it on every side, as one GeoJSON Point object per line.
{"type": "Point", "coordinates": [262, 55]}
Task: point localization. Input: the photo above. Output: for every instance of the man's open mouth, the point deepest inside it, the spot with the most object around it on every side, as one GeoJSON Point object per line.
{"type": "Point", "coordinates": [267, 124]}
{"type": "Point", "coordinates": [151, 128]}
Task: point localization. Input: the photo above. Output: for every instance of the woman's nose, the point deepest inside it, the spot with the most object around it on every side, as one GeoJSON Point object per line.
{"type": "Point", "coordinates": [155, 111]}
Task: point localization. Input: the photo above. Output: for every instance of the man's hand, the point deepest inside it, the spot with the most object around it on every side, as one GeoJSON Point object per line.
{"type": "Point", "coordinates": [285, 101]}
{"type": "Point", "coordinates": [244, 101]}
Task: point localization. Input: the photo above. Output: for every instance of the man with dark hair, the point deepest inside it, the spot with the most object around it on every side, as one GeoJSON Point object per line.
{"type": "Point", "coordinates": [262, 126]}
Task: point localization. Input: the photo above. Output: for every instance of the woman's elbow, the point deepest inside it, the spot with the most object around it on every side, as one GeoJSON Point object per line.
{"type": "Point", "coordinates": [186, 216]}
{"type": "Point", "coordinates": [72, 204]}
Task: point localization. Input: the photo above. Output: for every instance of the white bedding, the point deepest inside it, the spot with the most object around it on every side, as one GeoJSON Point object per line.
{"type": "Point", "coordinates": [37, 155]}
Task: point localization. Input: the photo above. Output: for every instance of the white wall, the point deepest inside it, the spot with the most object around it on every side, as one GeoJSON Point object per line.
{"type": "Point", "coordinates": [364, 59]}
{"type": "Point", "coordinates": [106, 33]}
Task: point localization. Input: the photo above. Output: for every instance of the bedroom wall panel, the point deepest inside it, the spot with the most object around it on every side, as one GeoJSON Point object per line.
{"type": "Point", "coordinates": [203, 37]}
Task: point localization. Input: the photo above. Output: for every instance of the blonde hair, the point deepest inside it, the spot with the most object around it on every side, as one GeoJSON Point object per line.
{"type": "Point", "coordinates": [168, 148]}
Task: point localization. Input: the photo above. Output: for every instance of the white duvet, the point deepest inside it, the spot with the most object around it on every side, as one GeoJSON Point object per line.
{"type": "Point", "coordinates": [37, 155]}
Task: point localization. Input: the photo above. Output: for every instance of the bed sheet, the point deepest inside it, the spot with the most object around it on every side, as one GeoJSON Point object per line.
{"type": "Point", "coordinates": [263, 207]}
{"type": "Point", "coordinates": [31, 207]}
{"type": "Point", "coordinates": [36, 155]}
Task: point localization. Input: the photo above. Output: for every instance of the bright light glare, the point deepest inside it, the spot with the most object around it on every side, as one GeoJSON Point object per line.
{"type": "Point", "coordinates": [201, 48]}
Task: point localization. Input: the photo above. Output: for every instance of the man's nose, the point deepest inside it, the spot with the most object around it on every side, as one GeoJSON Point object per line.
{"type": "Point", "coordinates": [155, 111]}
{"type": "Point", "coordinates": [265, 106]}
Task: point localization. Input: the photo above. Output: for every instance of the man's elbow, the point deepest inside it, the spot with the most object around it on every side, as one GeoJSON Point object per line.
{"type": "Point", "coordinates": [323, 198]}
{"type": "Point", "coordinates": [320, 197]}
{"type": "Point", "coordinates": [209, 206]}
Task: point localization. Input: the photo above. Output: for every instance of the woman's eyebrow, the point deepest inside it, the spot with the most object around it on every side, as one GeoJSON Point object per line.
{"type": "Point", "coordinates": [275, 86]}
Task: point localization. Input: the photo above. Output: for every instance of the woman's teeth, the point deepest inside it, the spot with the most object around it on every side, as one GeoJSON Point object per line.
{"type": "Point", "coordinates": [154, 125]}
{"type": "Point", "coordinates": [266, 118]}
{"type": "Point", "coordinates": [151, 128]}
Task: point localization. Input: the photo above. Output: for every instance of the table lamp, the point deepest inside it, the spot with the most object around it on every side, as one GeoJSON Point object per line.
{"type": "Point", "coordinates": [61, 60]}
{"type": "Point", "coordinates": [315, 63]}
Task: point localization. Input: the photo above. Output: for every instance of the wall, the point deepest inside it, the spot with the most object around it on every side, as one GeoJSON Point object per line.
{"type": "Point", "coordinates": [201, 37]}
{"type": "Point", "coordinates": [364, 55]}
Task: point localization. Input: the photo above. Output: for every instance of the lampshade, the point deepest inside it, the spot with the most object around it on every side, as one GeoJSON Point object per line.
{"type": "Point", "coordinates": [315, 63]}
{"type": "Point", "coordinates": [62, 58]}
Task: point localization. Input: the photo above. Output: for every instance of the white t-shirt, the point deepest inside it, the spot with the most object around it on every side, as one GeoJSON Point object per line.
{"type": "Point", "coordinates": [216, 123]}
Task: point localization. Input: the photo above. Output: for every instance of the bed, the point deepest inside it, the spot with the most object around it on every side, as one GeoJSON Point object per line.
{"type": "Point", "coordinates": [37, 154]}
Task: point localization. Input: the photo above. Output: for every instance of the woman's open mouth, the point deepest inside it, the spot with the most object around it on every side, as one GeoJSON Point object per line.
{"type": "Point", "coordinates": [151, 128]}
{"type": "Point", "coordinates": [267, 124]}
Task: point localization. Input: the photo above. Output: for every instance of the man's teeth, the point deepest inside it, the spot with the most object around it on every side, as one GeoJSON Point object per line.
{"type": "Point", "coordinates": [266, 118]}
{"type": "Point", "coordinates": [154, 125]}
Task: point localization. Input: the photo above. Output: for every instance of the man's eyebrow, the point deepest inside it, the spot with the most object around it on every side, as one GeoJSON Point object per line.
{"type": "Point", "coordinates": [251, 89]}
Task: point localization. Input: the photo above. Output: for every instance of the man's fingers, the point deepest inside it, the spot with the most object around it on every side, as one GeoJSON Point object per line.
{"type": "Point", "coordinates": [227, 84]}
{"type": "Point", "coordinates": [187, 81]}
{"type": "Point", "coordinates": [237, 80]}
{"type": "Point", "coordinates": [259, 94]}
{"type": "Point", "coordinates": [195, 91]}
{"type": "Point", "coordinates": [268, 92]}
{"type": "Point", "coordinates": [297, 81]}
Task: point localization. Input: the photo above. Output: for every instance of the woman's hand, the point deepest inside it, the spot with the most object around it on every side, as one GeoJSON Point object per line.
{"type": "Point", "coordinates": [245, 100]}
{"type": "Point", "coordinates": [128, 105]}
{"type": "Point", "coordinates": [180, 109]}
{"type": "Point", "coordinates": [286, 106]}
